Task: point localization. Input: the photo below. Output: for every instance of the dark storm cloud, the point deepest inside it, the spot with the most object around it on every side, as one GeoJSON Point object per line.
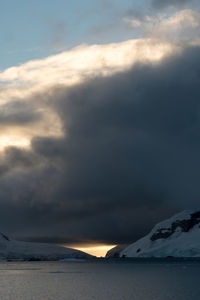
{"type": "Point", "coordinates": [129, 157]}
{"type": "Point", "coordinates": [14, 158]}
{"type": "Point", "coordinates": [167, 3]}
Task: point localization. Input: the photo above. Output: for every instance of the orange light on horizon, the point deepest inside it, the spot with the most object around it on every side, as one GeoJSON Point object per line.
{"type": "Point", "coordinates": [98, 250]}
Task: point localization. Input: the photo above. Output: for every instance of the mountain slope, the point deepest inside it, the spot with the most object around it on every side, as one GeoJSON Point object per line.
{"type": "Point", "coordinates": [115, 252]}
{"type": "Point", "coordinates": [12, 249]}
{"type": "Point", "coordinates": [178, 236]}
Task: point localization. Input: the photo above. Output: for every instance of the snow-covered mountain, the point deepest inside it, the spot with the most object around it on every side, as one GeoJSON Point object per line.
{"type": "Point", "coordinates": [178, 236]}
{"type": "Point", "coordinates": [12, 249]}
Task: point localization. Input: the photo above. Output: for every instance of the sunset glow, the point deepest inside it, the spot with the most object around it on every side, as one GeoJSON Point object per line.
{"type": "Point", "coordinates": [98, 250]}
{"type": "Point", "coordinates": [13, 141]}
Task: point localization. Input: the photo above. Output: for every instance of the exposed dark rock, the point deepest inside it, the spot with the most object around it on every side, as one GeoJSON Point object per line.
{"type": "Point", "coordinates": [115, 252]}
{"type": "Point", "coordinates": [116, 255]}
{"type": "Point", "coordinates": [138, 250]}
{"type": "Point", "coordinates": [184, 225]}
{"type": "Point", "coordinates": [5, 237]}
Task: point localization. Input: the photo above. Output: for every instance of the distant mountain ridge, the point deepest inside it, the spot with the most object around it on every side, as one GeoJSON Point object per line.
{"type": "Point", "coordinates": [178, 236]}
{"type": "Point", "coordinates": [17, 250]}
{"type": "Point", "coordinates": [115, 252]}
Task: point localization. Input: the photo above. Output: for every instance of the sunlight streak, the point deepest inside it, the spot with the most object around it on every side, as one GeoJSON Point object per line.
{"type": "Point", "coordinates": [98, 250]}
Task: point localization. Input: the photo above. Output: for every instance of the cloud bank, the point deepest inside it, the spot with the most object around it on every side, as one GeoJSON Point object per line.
{"type": "Point", "coordinates": [180, 28]}
{"type": "Point", "coordinates": [110, 154]}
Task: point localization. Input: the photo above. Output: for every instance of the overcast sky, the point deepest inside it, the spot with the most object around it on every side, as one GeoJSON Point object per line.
{"type": "Point", "coordinates": [99, 117]}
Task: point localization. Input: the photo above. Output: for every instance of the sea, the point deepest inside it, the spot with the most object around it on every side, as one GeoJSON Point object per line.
{"type": "Point", "coordinates": [100, 280]}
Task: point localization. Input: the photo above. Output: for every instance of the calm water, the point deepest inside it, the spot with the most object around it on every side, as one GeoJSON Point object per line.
{"type": "Point", "coordinates": [102, 281]}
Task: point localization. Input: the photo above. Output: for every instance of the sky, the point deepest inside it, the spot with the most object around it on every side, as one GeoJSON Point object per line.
{"type": "Point", "coordinates": [99, 118]}
{"type": "Point", "coordinates": [40, 28]}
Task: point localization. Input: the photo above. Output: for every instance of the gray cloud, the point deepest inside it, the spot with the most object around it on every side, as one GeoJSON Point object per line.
{"type": "Point", "coordinates": [19, 113]}
{"type": "Point", "coordinates": [58, 34]}
{"type": "Point", "coordinates": [129, 157]}
{"type": "Point", "coordinates": [173, 3]}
